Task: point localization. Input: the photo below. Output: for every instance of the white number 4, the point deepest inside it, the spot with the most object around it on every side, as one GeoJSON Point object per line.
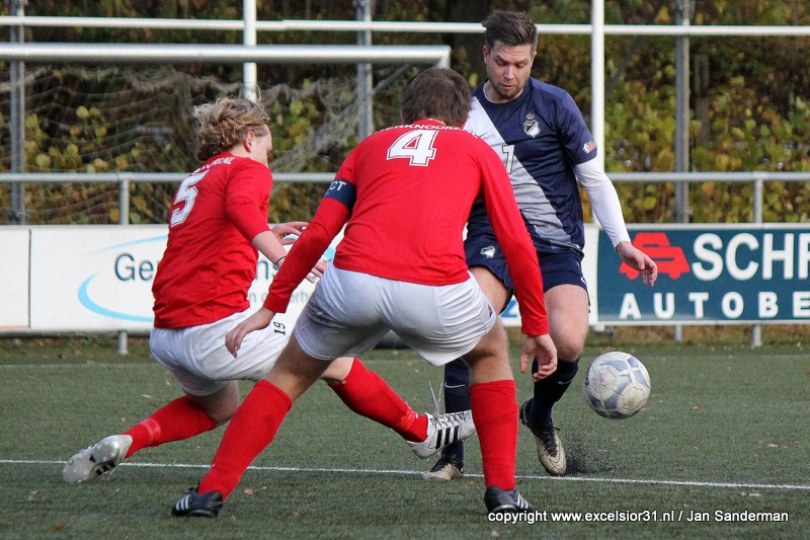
{"type": "Point", "coordinates": [416, 145]}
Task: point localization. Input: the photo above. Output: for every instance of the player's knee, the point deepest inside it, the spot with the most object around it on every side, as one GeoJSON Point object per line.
{"type": "Point", "coordinates": [569, 349]}
{"type": "Point", "coordinates": [220, 416]}
{"type": "Point", "coordinates": [497, 337]}
{"type": "Point", "coordinates": [493, 345]}
{"type": "Point", "coordinates": [338, 370]}
{"type": "Point", "coordinates": [221, 405]}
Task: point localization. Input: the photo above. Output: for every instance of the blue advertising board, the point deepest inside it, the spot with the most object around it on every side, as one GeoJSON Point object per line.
{"type": "Point", "coordinates": [709, 274]}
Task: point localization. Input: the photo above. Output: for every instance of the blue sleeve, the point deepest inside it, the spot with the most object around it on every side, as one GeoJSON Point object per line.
{"type": "Point", "coordinates": [578, 141]}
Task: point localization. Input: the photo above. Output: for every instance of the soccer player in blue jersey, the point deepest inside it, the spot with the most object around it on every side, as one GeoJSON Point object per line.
{"type": "Point", "coordinates": [548, 152]}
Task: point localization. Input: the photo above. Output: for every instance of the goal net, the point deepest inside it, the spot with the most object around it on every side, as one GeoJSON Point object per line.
{"type": "Point", "coordinates": [89, 120]}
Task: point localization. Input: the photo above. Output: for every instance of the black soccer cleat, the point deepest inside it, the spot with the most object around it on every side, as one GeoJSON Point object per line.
{"type": "Point", "coordinates": [195, 504]}
{"type": "Point", "coordinates": [501, 501]}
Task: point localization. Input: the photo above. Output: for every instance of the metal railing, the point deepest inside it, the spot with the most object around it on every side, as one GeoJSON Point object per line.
{"type": "Point", "coordinates": [757, 179]}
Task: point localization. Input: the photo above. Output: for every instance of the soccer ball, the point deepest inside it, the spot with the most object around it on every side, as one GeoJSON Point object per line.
{"type": "Point", "coordinates": [616, 385]}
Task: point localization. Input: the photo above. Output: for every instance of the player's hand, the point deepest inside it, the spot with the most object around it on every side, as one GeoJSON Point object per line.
{"type": "Point", "coordinates": [317, 271]}
{"type": "Point", "coordinates": [638, 260]}
{"type": "Point", "coordinates": [287, 233]}
{"type": "Point", "coordinates": [260, 319]}
{"type": "Point", "coordinates": [542, 348]}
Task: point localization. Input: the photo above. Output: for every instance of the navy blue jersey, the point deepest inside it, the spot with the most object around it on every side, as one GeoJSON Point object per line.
{"type": "Point", "coordinates": [540, 137]}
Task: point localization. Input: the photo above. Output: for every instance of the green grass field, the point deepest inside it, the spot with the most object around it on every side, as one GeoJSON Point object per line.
{"type": "Point", "coordinates": [727, 429]}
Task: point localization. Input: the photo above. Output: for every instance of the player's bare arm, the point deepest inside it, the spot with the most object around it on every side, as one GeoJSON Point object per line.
{"type": "Point", "coordinates": [269, 245]}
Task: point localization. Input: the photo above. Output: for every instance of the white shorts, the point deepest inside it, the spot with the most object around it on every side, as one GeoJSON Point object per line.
{"type": "Point", "coordinates": [198, 359]}
{"type": "Point", "coordinates": [350, 312]}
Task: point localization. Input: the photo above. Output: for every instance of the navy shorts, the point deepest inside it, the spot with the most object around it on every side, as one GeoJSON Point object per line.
{"type": "Point", "coordinates": [557, 268]}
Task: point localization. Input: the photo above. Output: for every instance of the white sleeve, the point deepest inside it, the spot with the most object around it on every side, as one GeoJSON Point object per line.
{"type": "Point", "coordinates": [604, 200]}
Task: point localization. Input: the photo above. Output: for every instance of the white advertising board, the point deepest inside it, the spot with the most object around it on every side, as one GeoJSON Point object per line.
{"type": "Point", "coordinates": [589, 264]}
{"type": "Point", "coordinates": [93, 278]}
{"type": "Point", "coordinates": [98, 278]}
{"type": "Point", "coordinates": [14, 261]}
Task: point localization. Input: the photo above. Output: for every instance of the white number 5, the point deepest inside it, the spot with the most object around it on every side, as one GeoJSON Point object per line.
{"type": "Point", "coordinates": [186, 194]}
{"type": "Point", "coordinates": [416, 145]}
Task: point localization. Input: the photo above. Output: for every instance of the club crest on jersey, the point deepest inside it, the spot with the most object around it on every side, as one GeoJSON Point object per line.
{"type": "Point", "coordinates": [589, 147]}
{"type": "Point", "coordinates": [488, 251]}
{"type": "Point", "coordinates": [530, 126]}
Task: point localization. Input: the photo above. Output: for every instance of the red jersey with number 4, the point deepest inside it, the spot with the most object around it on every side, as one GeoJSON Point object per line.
{"type": "Point", "coordinates": [209, 262]}
{"type": "Point", "coordinates": [406, 193]}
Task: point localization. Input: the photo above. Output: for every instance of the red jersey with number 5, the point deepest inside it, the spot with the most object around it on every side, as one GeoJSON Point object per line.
{"type": "Point", "coordinates": [209, 262]}
{"type": "Point", "coordinates": [406, 193]}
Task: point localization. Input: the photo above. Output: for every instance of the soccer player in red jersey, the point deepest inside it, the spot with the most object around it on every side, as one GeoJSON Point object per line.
{"type": "Point", "coordinates": [404, 195]}
{"type": "Point", "coordinates": [217, 225]}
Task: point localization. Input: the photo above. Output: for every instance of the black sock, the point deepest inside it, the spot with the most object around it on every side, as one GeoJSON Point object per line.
{"type": "Point", "coordinates": [548, 391]}
{"type": "Point", "coordinates": [456, 390]}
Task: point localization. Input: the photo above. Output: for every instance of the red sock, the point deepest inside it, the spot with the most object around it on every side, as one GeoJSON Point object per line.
{"type": "Point", "coordinates": [367, 394]}
{"type": "Point", "coordinates": [251, 429]}
{"type": "Point", "coordinates": [179, 419]}
{"type": "Point", "coordinates": [495, 413]}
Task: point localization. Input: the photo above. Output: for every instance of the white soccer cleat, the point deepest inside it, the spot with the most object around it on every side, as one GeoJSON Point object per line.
{"type": "Point", "coordinates": [444, 429]}
{"type": "Point", "coordinates": [550, 451]}
{"type": "Point", "coordinates": [97, 460]}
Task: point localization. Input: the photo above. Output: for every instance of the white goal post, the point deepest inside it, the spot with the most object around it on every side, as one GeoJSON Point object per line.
{"type": "Point", "coordinates": [309, 54]}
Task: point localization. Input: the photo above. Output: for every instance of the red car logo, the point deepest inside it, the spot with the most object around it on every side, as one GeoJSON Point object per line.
{"type": "Point", "coordinates": [670, 259]}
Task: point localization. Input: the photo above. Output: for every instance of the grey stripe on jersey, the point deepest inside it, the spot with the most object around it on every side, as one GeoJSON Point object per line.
{"type": "Point", "coordinates": [531, 199]}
